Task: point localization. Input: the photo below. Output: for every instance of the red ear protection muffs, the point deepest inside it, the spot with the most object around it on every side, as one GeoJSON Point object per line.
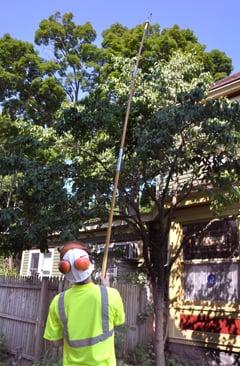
{"type": "Point", "coordinates": [64, 266]}
{"type": "Point", "coordinates": [81, 263]}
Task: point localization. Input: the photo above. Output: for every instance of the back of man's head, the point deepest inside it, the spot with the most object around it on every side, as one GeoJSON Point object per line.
{"type": "Point", "coordinates": [75, 263]}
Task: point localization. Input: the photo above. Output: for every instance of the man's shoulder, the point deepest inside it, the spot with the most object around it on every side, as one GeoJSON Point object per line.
{"type": "Point", "coordinates": [113, 292]}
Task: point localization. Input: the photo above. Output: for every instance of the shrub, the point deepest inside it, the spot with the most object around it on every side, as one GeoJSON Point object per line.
{"type": "Point", "coordinates": [50, 358]}
{"type": "Point", "coordinates": [4, 353]}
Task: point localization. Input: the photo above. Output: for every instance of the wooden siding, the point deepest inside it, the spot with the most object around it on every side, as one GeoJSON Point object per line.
{"type": "Point", "coordinates": [213, 303]}
{"type": "Point", "coordinates": [55, 261]}
{"type": "Point", "coordinates": [25, 263]}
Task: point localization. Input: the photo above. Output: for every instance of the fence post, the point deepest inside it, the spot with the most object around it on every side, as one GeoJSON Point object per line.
{"type": "Point", "coordinates": [41, 319]}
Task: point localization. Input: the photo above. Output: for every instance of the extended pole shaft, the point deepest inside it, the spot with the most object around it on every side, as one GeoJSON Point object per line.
{"type": "Point", "coordinates": [120, 156]}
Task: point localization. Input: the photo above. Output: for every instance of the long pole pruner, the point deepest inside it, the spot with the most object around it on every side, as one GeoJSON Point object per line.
{"type": "Point", "coordinates": [120, 155]}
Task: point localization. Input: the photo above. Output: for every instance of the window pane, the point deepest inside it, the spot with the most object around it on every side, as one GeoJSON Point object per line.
{"type": "Point", "coordinates": [213, 282]}
{"type": "Point", "coordinates": [219, 241]}
{"type": "Point", "coordinates": [34, 261]}
{"type": "Point", "coordinates": [47, 262]}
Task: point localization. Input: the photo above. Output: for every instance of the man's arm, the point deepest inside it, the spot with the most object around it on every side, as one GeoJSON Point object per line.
{"type": "Point", "coordinates": [119, 314]}
{"type": "Point", "coordinates": [54, 328]}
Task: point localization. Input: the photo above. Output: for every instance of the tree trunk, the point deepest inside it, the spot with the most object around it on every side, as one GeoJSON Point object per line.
{"type": "Point", "coordinates": [159, 329]}
{"type": "Point", "coordinates": [159, 280]}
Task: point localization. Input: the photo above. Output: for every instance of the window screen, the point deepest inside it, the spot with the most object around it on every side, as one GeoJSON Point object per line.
{"type": "Point", "coordinates": [219, 241]}
{"type": "Point", "coordinates": [34, 263]}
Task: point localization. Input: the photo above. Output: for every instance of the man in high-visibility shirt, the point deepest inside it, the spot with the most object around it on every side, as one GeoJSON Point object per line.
{"type": "Point", "coordinates": [84, 316]}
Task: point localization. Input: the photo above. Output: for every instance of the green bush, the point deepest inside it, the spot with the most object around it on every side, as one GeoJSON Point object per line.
{"type": "Point", "coordinates": [4, 353]}
{"type": "Point", "coordinates": [171, 361]}
{"type": "Point", "coordinates": [143, 354]}
{"type": "Point", "coordinates": [50, 358]}
{"type": "Point", "coordinates": [120, 335]}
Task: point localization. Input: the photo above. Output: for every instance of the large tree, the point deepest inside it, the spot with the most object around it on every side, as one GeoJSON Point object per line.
{"type": "Point", "coordinates": [73, 51]}
{"type": "Point", "coordinates": [174, 132]}
{"type": "Point", "coordinates": [34, 195]}
{"type": "Point", "coordinates": [28, 87]}
{"type": "Point", "coordinates": [160, 44]}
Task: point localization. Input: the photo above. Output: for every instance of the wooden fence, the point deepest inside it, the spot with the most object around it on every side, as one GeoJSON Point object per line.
{"type": "Point", "coordinates": [24, 306]}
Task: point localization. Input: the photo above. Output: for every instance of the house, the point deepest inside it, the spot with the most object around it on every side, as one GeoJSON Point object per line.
{"type": "Point", "coordinates": [125, 252]}
{"type": "Point", "coordinates": [204, 323]}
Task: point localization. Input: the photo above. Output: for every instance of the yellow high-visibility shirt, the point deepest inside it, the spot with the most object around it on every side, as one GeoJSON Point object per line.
{"type": "Point", "coordinates": [83, 309]}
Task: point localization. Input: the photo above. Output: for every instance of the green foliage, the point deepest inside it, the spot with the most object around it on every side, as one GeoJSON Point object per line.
{"type": "Point", "coordinates": [4, 354]}
{"type": "Point", "coordinates": [221, 65]}
{"type": "Point", "coordinates": [171, 361]}
{"type": "Point", "coordinates": [120, 336]}
{"type": "Point", "coordinates": [33, 196]}
{"type": "Point", "coordinates": [6, 270]}
{"type": "Point", "coordinates": [161, 44]}
{"type": "Point", "coordinates": [178, 143]}
{"type": "Point", "coordinates": [171, 131]}
{"type": "Point", "coordinates": [51, 357]}
{"type": "Point", "coordinates": [73, 51]}
{"type": "Point", "coordinates": [142, 355]}
{"type": "Point", "coordinates": [27, 87]}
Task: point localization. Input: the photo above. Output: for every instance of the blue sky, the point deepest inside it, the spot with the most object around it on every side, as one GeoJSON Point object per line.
{"type": "Point", "coordinates": [215, 22]}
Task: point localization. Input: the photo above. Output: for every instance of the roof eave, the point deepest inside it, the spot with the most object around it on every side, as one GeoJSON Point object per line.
{"type": "Point", "coordinates": [225, 90]}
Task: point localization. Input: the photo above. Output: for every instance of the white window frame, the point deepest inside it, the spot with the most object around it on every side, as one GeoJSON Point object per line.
{"type": "Point", "coordinates": [40, 262]}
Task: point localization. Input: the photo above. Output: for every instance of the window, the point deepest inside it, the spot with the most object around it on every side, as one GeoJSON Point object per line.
{"type": "Point", "coordinates": [40, 263]}
{"type": "Point", "coordinates": [34, 264]}
{"type": "Point", "coordinates": [219, 240]}
{"type": "Point", "coordinates": [127, 250]}
{"type": "Point", "coordinates": [46, 264]}
{"type": "Point", "coordinates": [211, 280]}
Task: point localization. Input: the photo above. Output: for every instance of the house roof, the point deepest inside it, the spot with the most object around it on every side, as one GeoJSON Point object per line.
{"type": "Point", "coordinates": [227, 87]}
{"type": "Point", "coordinates": [228, 80]}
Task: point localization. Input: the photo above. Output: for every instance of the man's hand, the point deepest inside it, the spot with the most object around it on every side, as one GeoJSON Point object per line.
{"type": "Point", "coordinates": [105, 281]}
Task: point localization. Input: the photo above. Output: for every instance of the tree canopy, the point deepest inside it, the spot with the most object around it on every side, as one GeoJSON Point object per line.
{"type": "Point", "coordinates": [28, 88]}
{"type": "Point", "coordinates": [80, 94]}
{"type": "Point", "coordinates": [33, 87]}
{"type": "Point", "coordinates": [179, 143]}
{"type": "Point", "coordinates": [33, 194]}
{"type": "Point", "coordinates": [74, 52]}
{"type": "Point", "coordinates": [160, 44]}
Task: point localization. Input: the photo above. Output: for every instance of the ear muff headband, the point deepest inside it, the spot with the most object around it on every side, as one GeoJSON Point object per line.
{"type": "Point", "coordinates": [72, 245]}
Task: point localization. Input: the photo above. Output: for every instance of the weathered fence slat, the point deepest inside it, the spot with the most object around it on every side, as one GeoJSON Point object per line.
{"type": "Point", "coordinates": [41, 319]}
{"type": "Point", "coordinates": [17, 318]}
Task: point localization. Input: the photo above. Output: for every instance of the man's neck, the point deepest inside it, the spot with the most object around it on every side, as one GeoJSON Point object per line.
{"type": "Point", "coordinates": [88, 280]}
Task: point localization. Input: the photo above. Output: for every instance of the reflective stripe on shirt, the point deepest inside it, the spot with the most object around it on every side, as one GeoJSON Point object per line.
{"type": "Point", "coordinates": [105, 322]}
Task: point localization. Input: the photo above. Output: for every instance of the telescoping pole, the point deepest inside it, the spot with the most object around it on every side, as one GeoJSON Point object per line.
{"type": "Point", "coordinates": [120, 155]}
